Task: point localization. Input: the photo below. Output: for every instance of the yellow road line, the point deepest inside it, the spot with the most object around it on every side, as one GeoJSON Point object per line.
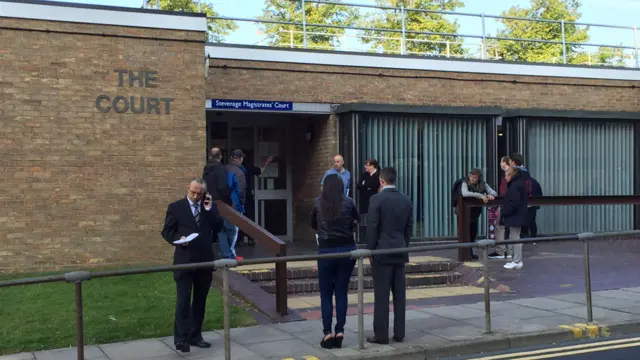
{"type": "Point", "coordinates": [635, 341]}
{"type": "Point", "coordinates": [613, 347]}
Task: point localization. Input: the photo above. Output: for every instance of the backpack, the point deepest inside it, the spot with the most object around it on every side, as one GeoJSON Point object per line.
{"type": "Point", "coordinates": [456, 192]}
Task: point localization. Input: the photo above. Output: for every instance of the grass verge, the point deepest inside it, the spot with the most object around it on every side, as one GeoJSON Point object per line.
{"type": "Point", "coordinates": [39, 317]}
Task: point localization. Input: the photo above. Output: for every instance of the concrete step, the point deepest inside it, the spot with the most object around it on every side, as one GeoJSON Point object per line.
{"type": "Point", "coordinates": [307, 272]}
{"type": "Point", "coordinates": [310, 285]}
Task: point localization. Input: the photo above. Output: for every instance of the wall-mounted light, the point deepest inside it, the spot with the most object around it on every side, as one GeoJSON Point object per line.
{"type": "Point", "coordinates": [309, 133]}
{"type": "Point", "coordinates": [206, 66]}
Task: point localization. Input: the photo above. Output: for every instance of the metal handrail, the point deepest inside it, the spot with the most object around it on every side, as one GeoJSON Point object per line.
{"type": "Point", "coordinates": [484, 36]}
{"type": "Point", "coordinates": [78, 277]}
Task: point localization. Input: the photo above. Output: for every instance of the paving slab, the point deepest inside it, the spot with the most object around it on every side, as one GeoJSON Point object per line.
{"type": "Point", "coordinates": [430, 323]}
{"type": "Point", "coordinates": [21, 356]}
{"type": "Point", "coordinates": [543, 303]}
{"type": "Point", "coordinates": [287, 349]}
{"type": "Point", "coordinates": [90, 353]}
{"type": "Point", "coordinates": [456, 312]}
{"type": "Point", "coordinates": [458, 333]}
{"type": "Point", "coordinates": [257, 334]}
{"type": "Point", "coordinates": [619, 294]}
{"type": "Point", "coordinates": [138, 349]}
{"type": "Point", "coordinates": [599, 314]}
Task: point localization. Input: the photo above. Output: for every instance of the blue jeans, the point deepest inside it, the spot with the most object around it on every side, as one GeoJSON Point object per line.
{"type": "Point", "coordinates": [333, 277]}
{"type": "Point", "coordinates": [227, 239]}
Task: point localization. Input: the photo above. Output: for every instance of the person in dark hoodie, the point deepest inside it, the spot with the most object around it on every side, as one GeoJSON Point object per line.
{"type": "Point", "coordinates": [513, 214]}
{"type": "Point", "coordinates": [533, 190]}
{"type": "Point", "coordinates": [215, 176]}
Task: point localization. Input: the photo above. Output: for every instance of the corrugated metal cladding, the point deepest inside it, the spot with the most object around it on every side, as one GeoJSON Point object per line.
{"type": "Point", "coordinates": [430, 154]}
{"type": "Point", "coordinates": [574, 158]}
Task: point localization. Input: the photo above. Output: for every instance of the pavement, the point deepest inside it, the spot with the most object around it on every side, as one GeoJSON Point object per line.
{"type": "Point", "coordinates": [432, 332]}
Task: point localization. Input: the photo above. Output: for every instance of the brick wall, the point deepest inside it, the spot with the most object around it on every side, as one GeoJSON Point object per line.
{"type": "Point", "coordinates": [325, 84]}
{"type": "Point", "coordinates": [310, 161]}
{"type": "Point", "coordinates": [84, 187]}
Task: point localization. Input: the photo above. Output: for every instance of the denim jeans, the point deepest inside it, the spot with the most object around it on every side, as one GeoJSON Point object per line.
{"type": "Point", "coordinates": [334, 276]}
{"type": "Point", "coordinates": [227, 239]}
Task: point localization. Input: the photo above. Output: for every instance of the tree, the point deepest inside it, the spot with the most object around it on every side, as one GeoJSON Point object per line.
{"type": "Point", "coordinates": [317, 37]}
{"type": "Point", "coordinates": [605, 56]}
{"type": "Point", "coordinates": [217, 29]}
{"type": "Point", "coordinates": [566, 10]}
{"type": "Point", "coordinates": [414, 21]}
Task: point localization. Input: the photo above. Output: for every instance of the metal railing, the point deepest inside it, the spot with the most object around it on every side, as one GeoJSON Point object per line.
{"type": "Point", "coordinates": [465, 205]}
{"type": "Point", "coordinates": [485, 38]}
{"type": "Point", "coordinates": [78, 277]}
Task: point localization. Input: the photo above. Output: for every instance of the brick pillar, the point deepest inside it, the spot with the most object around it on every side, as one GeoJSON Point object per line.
{"type": "Point", "coordinates": [310, 160]}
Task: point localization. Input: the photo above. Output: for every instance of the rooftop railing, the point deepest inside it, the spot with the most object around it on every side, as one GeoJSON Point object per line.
{"type": "Point", "coordinates": [483, 45]}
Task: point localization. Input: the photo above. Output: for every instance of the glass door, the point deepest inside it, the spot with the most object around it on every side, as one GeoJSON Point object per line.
{"type": "Point", "coordinates": [273, 188]}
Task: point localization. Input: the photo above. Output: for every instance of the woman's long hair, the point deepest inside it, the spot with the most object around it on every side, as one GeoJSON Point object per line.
{"type": "Point", "coordinates": [331, 198]}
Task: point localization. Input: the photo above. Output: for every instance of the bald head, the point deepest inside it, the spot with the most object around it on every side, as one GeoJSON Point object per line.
{"type": "Point", "coordinates": [215, 154]}
{"type": "Point", "coordinates": [338, 162]}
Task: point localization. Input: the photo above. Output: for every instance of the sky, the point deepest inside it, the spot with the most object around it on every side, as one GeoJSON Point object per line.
{"type": "Point", "coordinates": [612, 12]}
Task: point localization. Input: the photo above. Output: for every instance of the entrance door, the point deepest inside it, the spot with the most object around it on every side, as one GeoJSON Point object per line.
{"type": "Point", "coordinates": [273, 187]}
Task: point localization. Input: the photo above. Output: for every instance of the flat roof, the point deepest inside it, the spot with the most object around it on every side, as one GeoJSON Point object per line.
{"type": "Point", "coordinates": [412, 62]}
{"type": "Point", "coordinates": [102, 15]}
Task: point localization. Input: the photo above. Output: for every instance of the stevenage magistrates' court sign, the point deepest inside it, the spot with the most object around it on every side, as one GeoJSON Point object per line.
{"type": "Point", "coordinates": [121, 104]}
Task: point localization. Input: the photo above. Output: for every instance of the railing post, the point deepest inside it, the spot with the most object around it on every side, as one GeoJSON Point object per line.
{"type": "Point", "coordinates": [463, 229]}
{"type": "Point", "coordinates": [360, 254]}
{"type": "Point", "coordinates": [587, 273]}
{"type": "Point", "coordinates": [77, 277]}
{"type": "Point", "coordinates": [403, 41]}
{"type": "Point", "coordinates": [484, 38]}
{"type": "Point", "coordinates": [564, 44]}
{"type": "Point", "coordinates": [225, 264]}
{"type": "Point", "coordinates": [484, 244]}
{"type": "Point", "coordinates": [281, 284]}
{"type": "Point", "coordinates": [304, 25]}
{"type": "Point", "coordinates": [635, 44]}
{"type": "Point", "coordinates": [291, 37]}
{"type": "Point", "coordinates": [158, 4]}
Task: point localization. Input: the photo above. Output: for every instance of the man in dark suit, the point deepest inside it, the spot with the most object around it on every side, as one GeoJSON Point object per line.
{"type": "Point", "coordinates": [195, 213]}
{"type": "Point", "coordinates": [389, 223]}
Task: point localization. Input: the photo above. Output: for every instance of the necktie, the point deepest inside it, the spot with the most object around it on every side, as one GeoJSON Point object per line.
{"type": "Point", "coordinates": [196, 213]}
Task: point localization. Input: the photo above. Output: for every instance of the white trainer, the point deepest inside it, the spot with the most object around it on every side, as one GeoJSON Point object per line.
{"type": "Point", "coordinates": [513, 266]}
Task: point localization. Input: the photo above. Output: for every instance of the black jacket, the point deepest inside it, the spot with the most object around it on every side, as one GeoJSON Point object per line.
{"type": "Point", "coordinates": [179, 221]}
{"type": "Point", "coordinates": [389, 225]}
{"type": "Point", "coordinates": [215, 175]}
{"type": "Point", "coordinates": [514, 210]}
{"type": "Point", "coordinates": [367, 187]}
{"type": "Point", "coordinates": [338, 232]}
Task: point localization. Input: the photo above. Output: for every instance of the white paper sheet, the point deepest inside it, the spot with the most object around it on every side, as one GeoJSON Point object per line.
{"type": "Point", "coordinates": [187, 239]}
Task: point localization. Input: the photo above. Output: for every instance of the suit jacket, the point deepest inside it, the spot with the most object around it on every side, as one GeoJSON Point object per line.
{"type": "Point", "coordinates": [389, 225]}
{"type": "Point", "coordinates": [179, 221]}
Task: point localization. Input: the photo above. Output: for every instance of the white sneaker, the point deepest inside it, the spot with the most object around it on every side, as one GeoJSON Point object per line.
{"type": "Point", "coordinates": [513, 266]}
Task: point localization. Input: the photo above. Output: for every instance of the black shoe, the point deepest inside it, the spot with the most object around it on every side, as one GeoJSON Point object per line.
{"type": "Point", "coordinates": [327, 342]}
{"type": "Point", "coordinates": [183, 346]}
{"type": "Point", "coordinates": [495, 255]}
{"type": "Point", "coordinates": [337, 342]}
{"type": "Point", "coordinates": [201, 344]}
{"type": "Point", "coordinates": [373, 340]}
{"type": "Point", "coordinates": [398, 339]}
{"type": "Point", "coordinates": [474, 257]}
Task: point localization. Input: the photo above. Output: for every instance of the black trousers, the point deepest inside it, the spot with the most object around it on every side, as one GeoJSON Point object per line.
{"type": "Point", "coordinates": [388, 278]}
{"type": "Point", "coordinates": [532, 229]}
{"type": "Point", "coordinates": [473, 225]}
{"type": "Point", "coordinates": [190, 309]}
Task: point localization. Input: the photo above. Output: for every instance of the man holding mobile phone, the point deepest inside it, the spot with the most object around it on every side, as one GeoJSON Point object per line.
{"type": "Point", "coordinates": [195, 216]}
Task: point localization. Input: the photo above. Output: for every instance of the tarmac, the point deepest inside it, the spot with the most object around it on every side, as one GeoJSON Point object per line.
{"type": "Point", "coordinates": [432, 332]}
